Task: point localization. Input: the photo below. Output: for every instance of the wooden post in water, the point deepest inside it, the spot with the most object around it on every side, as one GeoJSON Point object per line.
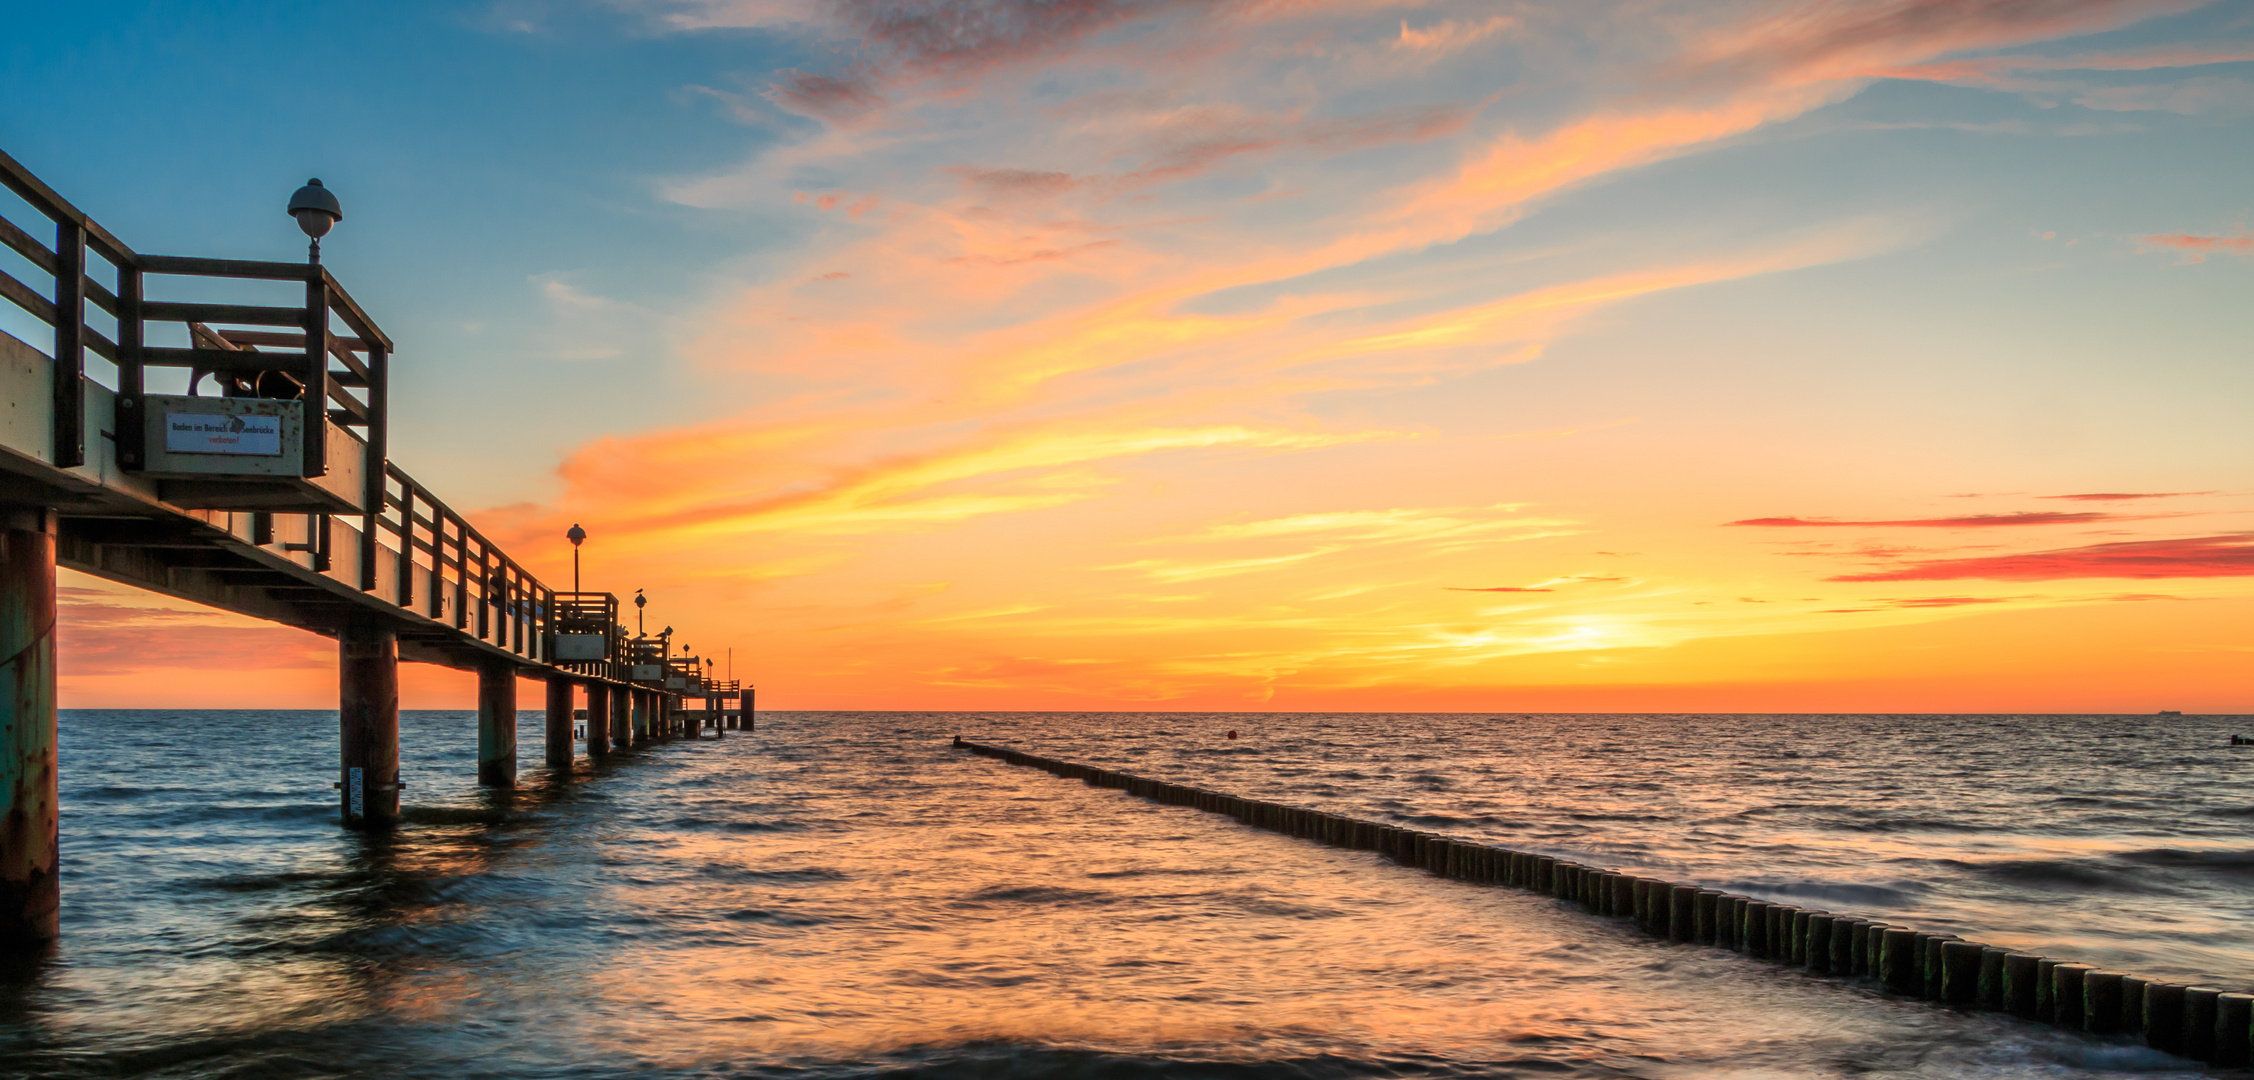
{"type": "Point", "coordinates": [368, 723]}
{"type": "Point", "coordinates": [30, 832]}
{"type": "Point", "coordinates": [496, 723]}
{"type": "Point", "coordinates": [559, 722]}
{"type": "Point", "coordinates": [2164, 1016]}
{"type": "Point", "coordinates": [1897, 966]}
{"type": "Point", "coordinates": [598, 719]}
{"type": "Point", "coordinates": [1960, 973]}
{"type": "Point", "coordinates": [2101, 1002]}
{"type": "Point", "coordinates": [2199, 1022]}
{"type": "Point", "coordinates": [2234, 1019]}
{"type": "Point", "coordinates": [2066, 995]}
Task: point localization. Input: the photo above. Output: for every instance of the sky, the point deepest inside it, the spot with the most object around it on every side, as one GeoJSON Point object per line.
{"type": "Point", "coordinates": [1884, 356]}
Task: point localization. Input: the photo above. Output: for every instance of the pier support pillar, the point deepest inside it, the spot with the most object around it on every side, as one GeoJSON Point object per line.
{"type": "Point", "coordinates": [598, 719]}
{"type": "Point", "coordinates": [750, 718]}
{"type": "Point", "coordinates": [30, 850]}
{"type": "Point", "coordinates": [719, 719]}
{"type": "Point", "coordinates": [621, 716]}
{"type": "Point", "coordinates": [640, 717]}
{"type": "Point", "coordinates": [368, 723]}
{"type": "Point", "coordinates": [496, 724]}
{"type": "Point", "coordinates": [559, 722]}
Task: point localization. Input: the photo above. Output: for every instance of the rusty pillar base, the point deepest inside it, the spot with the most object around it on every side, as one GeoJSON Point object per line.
{"type": "Point", "coordinates": [368, 724]}
{"type": "Point", "coordinates": [598, 719]}
{"type": "Point", "coordinates": [30, 839]}
{"type": "Point", "coordinates": [559, 722]}
{"type": "Point", "coordinates": [496, 724]}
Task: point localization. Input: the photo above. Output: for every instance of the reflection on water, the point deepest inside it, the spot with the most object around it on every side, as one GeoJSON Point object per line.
{"type": "Point", "coordinates": [843, 895]}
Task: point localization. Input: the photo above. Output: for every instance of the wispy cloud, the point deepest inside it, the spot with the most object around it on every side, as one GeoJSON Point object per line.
{"type": "Point", "coordinates": [2198, 557]}
{"type": "Point", "coordinates": [2124, 496]}
{"type": "Point", "coordinates": [1965, 521]}
{"type": "Point", "coordinates": [2194, 247]}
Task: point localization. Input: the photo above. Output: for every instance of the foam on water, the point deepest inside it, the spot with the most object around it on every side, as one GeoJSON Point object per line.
{"type": "Point", "coordinates": [842, 895]}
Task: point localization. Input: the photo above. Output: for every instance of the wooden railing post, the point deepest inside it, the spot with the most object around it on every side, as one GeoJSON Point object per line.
{"type": "Point", "coordinates": [132, 408]}
{"type": "Point", "coordinates": [406, 572]}
{"type": "Point", "coordinates": [379, 460]}
{"type": "Point", "coordinates": [316, 375]}
{"type": "Point", "coordinates": [70, 344]}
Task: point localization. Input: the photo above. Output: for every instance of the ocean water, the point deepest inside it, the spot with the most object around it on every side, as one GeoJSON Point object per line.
{"type": "Point", "coordinates": [843, 895]}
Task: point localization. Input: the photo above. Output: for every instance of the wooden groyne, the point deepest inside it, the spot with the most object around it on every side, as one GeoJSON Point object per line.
{"type": "Point", "coordinates": [2198, 1022]}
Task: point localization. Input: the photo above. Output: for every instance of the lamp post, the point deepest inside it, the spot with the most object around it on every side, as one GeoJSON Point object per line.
{"type": "Point", "coordinates": [640, 602]}
{"type": "Point", "coordinates": [577, 536]}
{"type": "Point", "coordinates": [316, 210]}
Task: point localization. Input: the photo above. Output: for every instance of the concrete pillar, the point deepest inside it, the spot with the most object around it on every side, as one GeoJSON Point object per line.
{"type": "Point", "coordinates": [751, 716]}
{"type": "Point", "coordinates": [30, 839]}
{"type": "Point", "coordinates": [496, 724]}
{"type": "Point", "coordinates": [598, 719]}
{"type": "Point", "coordinates": [712, 712]}
{"type": "Point", "coordinates": [368, 723]}
{"type": "Point", "coordinates": [559, 722]}
{"type": "Point", "coordinates": [621, 716]}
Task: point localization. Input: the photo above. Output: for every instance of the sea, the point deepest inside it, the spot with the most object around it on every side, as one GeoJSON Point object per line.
{"type": "Point", "coordinates": [844, 895]}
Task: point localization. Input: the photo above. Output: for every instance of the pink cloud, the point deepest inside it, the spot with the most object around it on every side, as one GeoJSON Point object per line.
{"type": "Point", "coordinates": [1969, 521]}
{"type": "Point", "coordinates": [2196, 248]}
{"type": "Point", "coordinates": [2199, 557]}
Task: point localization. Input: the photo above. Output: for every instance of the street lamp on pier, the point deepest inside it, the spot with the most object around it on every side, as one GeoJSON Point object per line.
{"type": "Point", "coordinates": [577, 536]}
{"type": "Point", "coordinates": [316, 209]}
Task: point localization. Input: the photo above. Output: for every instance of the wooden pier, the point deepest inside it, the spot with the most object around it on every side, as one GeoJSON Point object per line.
{"type": "Point", "coordinates": [266, 489]}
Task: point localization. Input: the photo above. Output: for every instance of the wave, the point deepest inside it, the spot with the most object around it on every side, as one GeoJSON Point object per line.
{"type": "Point", "coordinates": [1845, 893]}
{"type": "Point", "coordinates": [2088, 875]}
{"type": "Point", "coordinates": [700, 824]}
{"type": "Point", "coordinates": [1018, 1061]}
{"type": "Point", "coordinates": [1036, 894]}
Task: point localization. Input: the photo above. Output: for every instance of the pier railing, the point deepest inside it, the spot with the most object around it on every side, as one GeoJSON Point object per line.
{"type": "Point", "coordinates": [96, 295]}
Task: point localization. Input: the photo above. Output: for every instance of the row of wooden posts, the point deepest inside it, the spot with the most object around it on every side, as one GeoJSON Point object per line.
{"type": "Point", "coordinates": [2199, 1022]}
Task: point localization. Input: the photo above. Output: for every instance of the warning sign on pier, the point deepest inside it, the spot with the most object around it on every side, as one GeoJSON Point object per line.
{"type": "Point", "coordinates": [208, 433]}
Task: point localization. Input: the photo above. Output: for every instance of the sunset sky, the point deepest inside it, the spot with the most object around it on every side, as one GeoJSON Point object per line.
{"type": "Point", "coordinates": [1315, 355]}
